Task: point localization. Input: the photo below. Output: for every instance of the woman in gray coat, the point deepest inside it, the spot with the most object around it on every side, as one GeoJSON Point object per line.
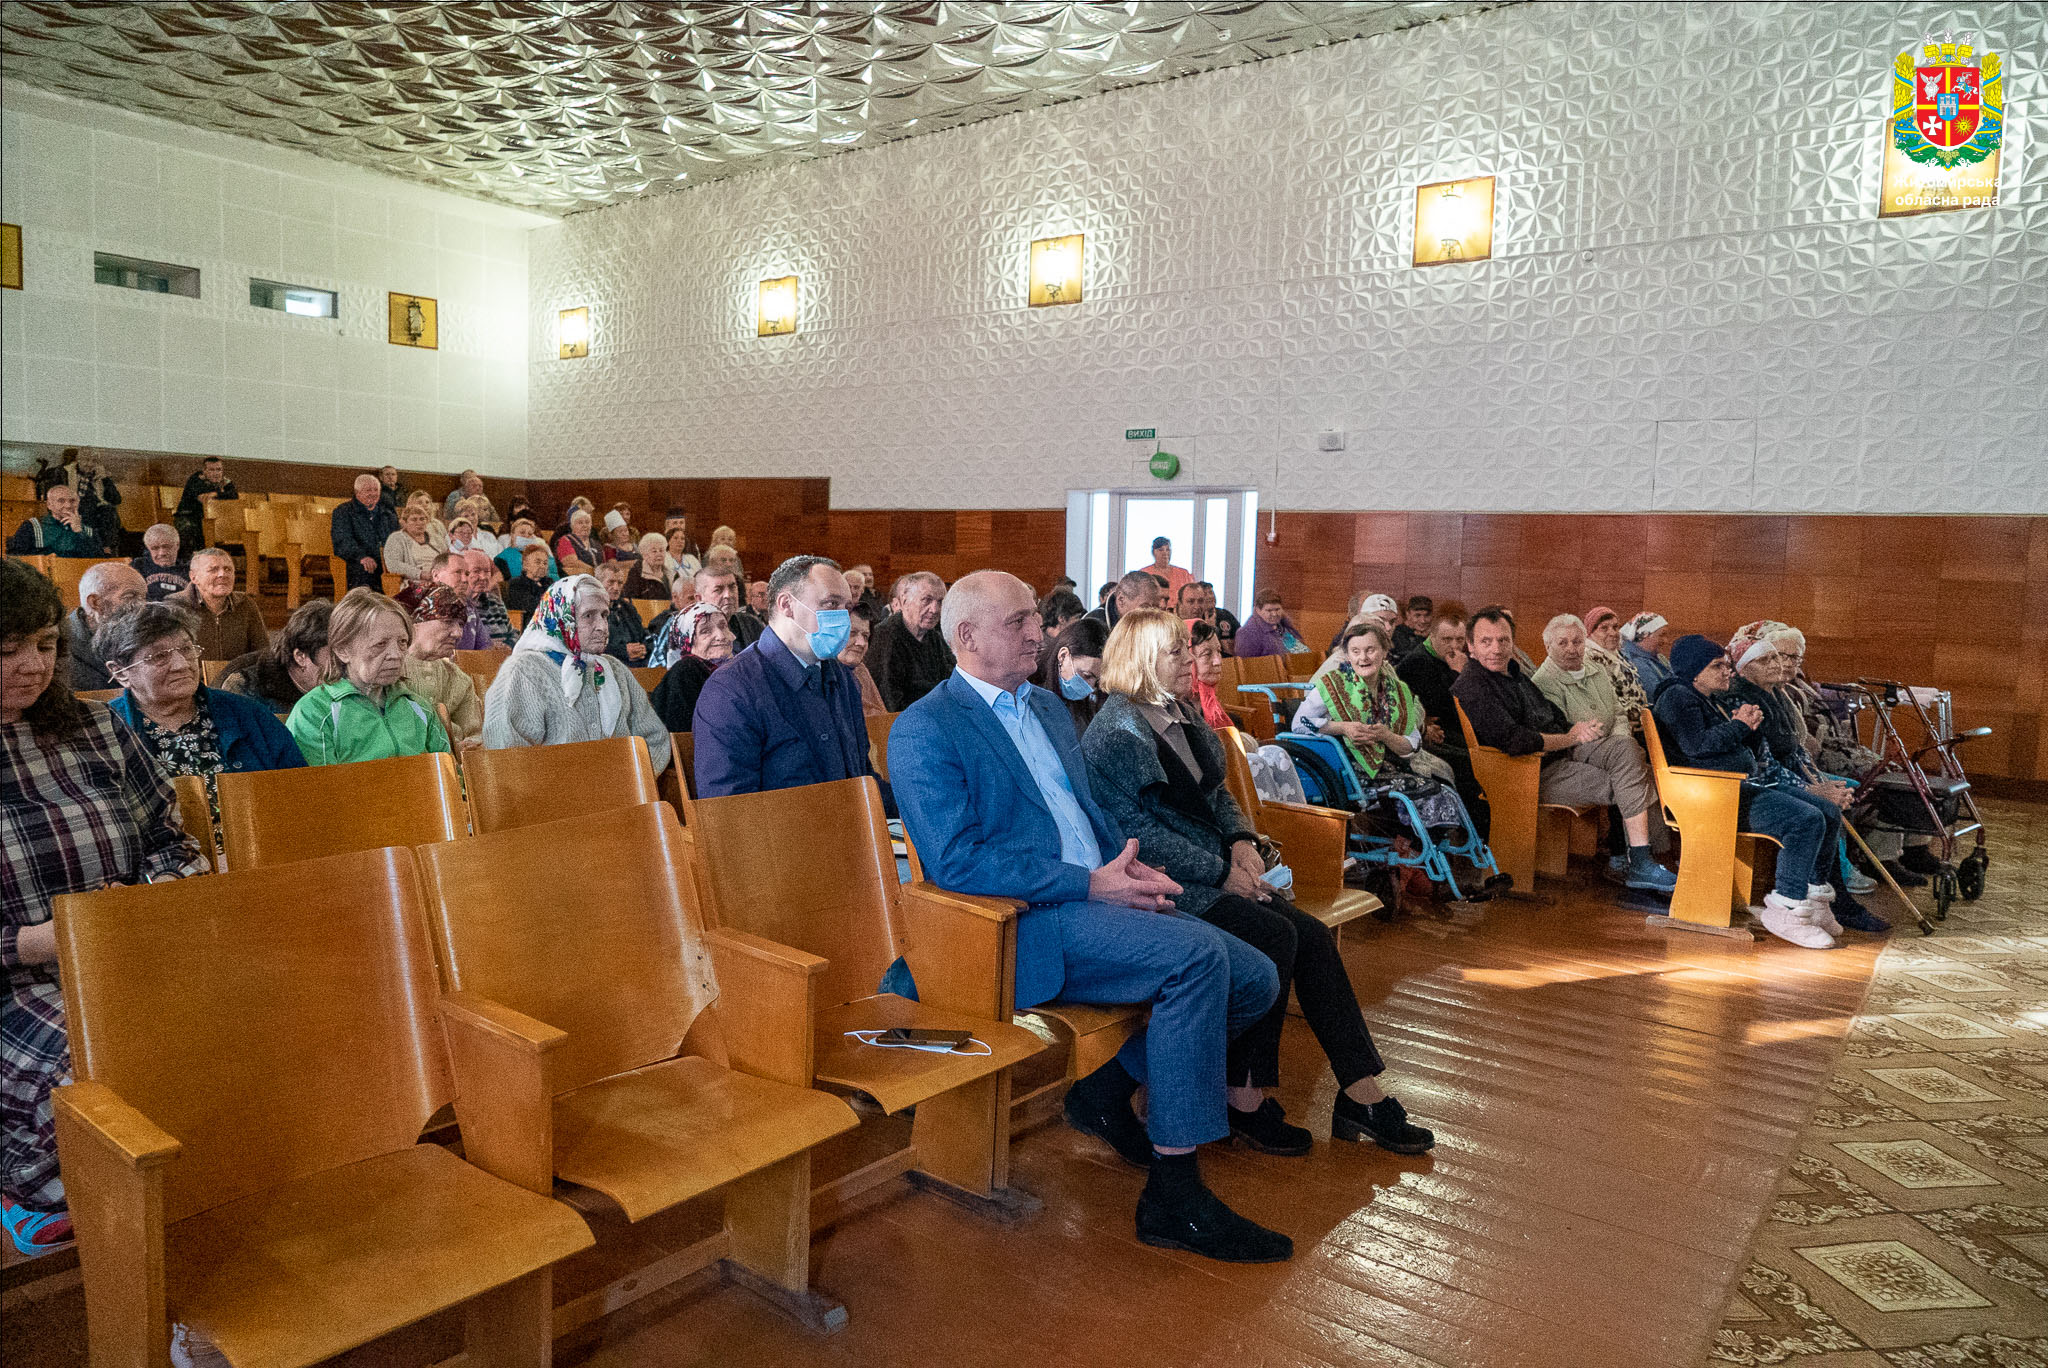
{"type": "Point", "coordinates": [1157, 770]}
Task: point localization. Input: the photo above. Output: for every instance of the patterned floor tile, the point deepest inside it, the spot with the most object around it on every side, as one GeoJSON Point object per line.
{"type": "Point", "coordinates": [1934, 1085]}
{"type": "Point", "coordinates": [1892, 1276]}
{"type": "Point", "coordinates": [1915, 1164]}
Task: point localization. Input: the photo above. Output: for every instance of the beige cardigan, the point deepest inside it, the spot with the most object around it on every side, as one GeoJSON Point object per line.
{"type": "Point", "coordinates": [446, 683]}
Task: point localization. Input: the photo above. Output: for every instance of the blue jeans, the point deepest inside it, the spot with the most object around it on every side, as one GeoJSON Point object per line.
{"type": "Point", "coordinates": [1805, 824]}
{"type": "Point", "coordinates": [1206, 988]}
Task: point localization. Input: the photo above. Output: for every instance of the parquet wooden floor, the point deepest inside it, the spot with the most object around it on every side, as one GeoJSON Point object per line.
{"type": "Point", "coordinates": [1614, 1108]}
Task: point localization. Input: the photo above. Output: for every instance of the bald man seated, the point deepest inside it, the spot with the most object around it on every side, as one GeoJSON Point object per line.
{"type": "Point", "coordinates": [360, 528]}
{"type": "Point", "coordinates": [994, 794]}
{"type": "Point", "coordinates": [103, 590]}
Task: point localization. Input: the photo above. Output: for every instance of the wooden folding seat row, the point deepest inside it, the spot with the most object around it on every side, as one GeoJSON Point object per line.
{"type": "Point", "coordinates": [1717, 860]}
{"type": "Point", "coordinates": [1311, 839]}
{"type": "Point", "coordinates": [1528, 836]}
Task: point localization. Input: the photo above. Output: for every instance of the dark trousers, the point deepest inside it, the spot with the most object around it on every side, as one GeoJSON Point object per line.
{"type": "Point", "coordinates": [1305, 954]}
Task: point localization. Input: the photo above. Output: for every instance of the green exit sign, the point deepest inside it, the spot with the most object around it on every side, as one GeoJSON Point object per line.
{"type": "Point", "coordinates": [1141, 434]}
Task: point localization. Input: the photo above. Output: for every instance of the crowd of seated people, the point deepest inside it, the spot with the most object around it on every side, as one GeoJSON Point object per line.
{"type": "Point", "coordinates": [1069, 759]}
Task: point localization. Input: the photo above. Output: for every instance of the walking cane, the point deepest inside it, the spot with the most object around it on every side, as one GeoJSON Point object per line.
{"type": "Point", "coordinates": [1926, 926]}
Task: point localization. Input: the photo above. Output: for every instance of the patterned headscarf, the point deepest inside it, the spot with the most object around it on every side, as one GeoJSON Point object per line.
{"type": "Point", "coordinates": [1748, 635]}
{"type": "Point", "coordinates": [1642, 625]}
{"type": "Point", "coordinates": [1380, 697]}
{"type": "Point", "coordinates": [678, 634]}
{"type": "Point", "coordinates": [552, 631]}
{"type": "Point", "coordinates": [441, 604]}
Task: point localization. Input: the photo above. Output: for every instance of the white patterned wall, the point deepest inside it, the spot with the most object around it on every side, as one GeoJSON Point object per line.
{"type": "Point", "coordinates": [1691, 303]}
{"type": "Point", "coordinates": [86, 363]}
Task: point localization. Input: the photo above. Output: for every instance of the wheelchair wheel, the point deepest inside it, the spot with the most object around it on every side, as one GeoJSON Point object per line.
{"type": "Point", "coordinates": [1316, 774]}
{"type": "Point", "coordinates": [1944, 892]}
{"type": "Point", "coordinates": [1970, 876]}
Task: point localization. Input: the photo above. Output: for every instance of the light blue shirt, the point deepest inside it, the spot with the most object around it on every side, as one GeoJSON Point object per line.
{"type": "Point", "coordinates": [1077, 835]}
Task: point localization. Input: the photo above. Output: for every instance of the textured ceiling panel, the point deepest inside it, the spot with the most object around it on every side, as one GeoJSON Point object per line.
{"type": "Point", "coordinates": [562, 106]}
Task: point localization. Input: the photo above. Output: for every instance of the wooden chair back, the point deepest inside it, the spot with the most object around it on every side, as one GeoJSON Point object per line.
{"type": "Point", "coordinates": [620, 966]}
{"type": "Point", "coordinates": [273, 817]}
{"type": "Point", "coordinates": [1262, 670]}
{"type": "Point", "coordinates": [878, 741]}
{"type": "Point", "coordinates": [528, 786]}
{"type": "Point", "coordinates": [277, 1022]}
{"type": "Point", "coordinates": [483, 666]}
{"type": "Point", "coordinates": [1231, 675]}
{"type": "Point", "coordinates": [213, 670]}
{"type": "Point", "coordinates": [841, 901]}
{"type": "Point", "coordinates": [97, 695]}
{"type": "Point", "coordinates": [195, 814]}
{"type": "Point", "coordinates": [649, 609]}
{"type": "Point", "coordinates": [678, 783]}
{"type": "Point", "coordinates": [1302, 664]}
{"type": "Point", "coordinates": [517, 615]}
{"type": "Point", "coordinates": [1237, 775]}
{"type": "Point", "coordinates": [17, 488]}
{"type": "Point", "coordinates": [138, 508]}
{"type": "Point", "coordinates": [649, 676]}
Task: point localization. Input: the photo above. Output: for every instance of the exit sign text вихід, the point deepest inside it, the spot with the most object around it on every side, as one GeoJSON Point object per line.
{"type": "Point", "coordinates": [1141, 434]}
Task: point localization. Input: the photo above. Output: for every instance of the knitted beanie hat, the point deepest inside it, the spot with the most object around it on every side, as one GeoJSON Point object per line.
{"type": "Point", "coordinates": [1692, 654]}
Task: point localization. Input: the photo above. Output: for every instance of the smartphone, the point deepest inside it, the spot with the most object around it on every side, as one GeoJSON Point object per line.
{"type": "Point", "coordinates": [912, 1035]}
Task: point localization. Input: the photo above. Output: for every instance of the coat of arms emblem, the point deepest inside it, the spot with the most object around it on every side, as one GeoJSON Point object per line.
{"type": "Point", "coordinates": [1948, 103]}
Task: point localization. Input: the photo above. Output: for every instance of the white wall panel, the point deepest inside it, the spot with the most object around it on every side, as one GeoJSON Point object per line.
{"type": "Point", "coordinates": [88, 363]}
{"type": "Point", "coordinates": [1691, 303]}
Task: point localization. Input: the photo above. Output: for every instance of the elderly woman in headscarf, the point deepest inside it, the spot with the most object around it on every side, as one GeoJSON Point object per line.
{"type": "Point", "coordinates": [1644, 639]}
{"type": "Point", "coordinates": [1366, 705]}
{"type": "Point", "coordinates": [695, 642]}
{"type": "Point", "coordinates": [430, 668]}
{"type": "Point", "coordinates": [1603, 652]}
{"type": "Point", "coordinates": [560, 686]}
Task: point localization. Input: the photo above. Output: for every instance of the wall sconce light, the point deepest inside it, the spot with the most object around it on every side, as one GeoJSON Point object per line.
{"type": "Point", "coordinates": [415, 321]}
{"type": "Point", "coordinates": [1454, 221]}
{"type": "Point", "coordinates": [1056, 270]}
{"type": "Point", "coordinates": [776, 315]}
{"type": "Point", "coordinates": [10, 256]}
{"type": "Point", "coordinates": [572, 332]}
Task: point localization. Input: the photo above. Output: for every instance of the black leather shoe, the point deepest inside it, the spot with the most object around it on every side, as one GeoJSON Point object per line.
{"type": "Point", "coordinates": [1266, 1130]}
{"type": "Point", "coordinates": [1385, 1123]}
{"type": "Point", "coordinates": [1110, 1120]}
{"type": "Point", "coordinates": [1920, 860]}
{"type": "Point", "coordinates": [1201, 1224]}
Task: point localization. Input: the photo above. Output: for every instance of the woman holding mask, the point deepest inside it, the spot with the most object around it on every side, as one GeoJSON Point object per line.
{"type": "Point", "coordinates": [695, 642]}
{"type": "Point", "coordinates": [364, 711]}
{"type": "Point", "coordinates": [1158, 771]}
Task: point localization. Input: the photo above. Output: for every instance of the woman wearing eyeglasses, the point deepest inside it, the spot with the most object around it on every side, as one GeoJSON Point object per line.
{"type": "Point", "coordinates": [186, 728]}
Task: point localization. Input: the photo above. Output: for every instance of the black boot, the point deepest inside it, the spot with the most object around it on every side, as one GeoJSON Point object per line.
{"type": "Point", "coordinates": [1100, 1105]}
{"type": "Point", "coordinates": [1384, 1122]}
{"type": "Point", "coordinates": [1920, 860]}
{"type": "Point", "coordinates": [1904, 877]}
{"type": "Point", "coordinates": [1177, 1211]}
{"type": "Point", "coordinates": [1266, 1130]}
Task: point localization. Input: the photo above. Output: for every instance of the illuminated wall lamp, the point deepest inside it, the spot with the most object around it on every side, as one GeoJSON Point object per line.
{"type": "Point", "coordinates": [1454, 221]}
{"type": "Point", "coordinates": [572, 332]}
{"type": "Point", "coordinates": [776, 314]}
{"type": "Point", "coordinates": [1056, 270]}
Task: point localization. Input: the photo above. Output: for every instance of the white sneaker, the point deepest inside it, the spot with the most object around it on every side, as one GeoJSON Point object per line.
{"type": "Point", "coordinates": [1820, 898]}
{"type": "Point", "coordinates": [1790, 921]}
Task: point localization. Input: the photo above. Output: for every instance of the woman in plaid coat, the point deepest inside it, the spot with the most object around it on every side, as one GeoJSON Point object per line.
{"type": "Point", "coordinates": [81, 807]}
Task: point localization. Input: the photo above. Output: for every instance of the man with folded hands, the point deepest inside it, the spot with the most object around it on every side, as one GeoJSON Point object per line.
{"type": "Point", "coordinates": [994, 795]}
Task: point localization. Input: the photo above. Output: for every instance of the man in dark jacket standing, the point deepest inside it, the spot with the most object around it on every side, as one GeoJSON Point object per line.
{"type": "Point", "coordinates": [359, 528]}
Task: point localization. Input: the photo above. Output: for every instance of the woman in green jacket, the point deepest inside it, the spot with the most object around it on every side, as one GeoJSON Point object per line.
{"type": "Point", "coordinates": [363, 711]}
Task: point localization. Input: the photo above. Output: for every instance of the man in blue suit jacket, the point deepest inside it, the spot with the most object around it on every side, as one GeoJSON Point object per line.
{"type": "Point", "coordinates": [994, 794]}
{"type": "Point", "coordinates": [784, 712]}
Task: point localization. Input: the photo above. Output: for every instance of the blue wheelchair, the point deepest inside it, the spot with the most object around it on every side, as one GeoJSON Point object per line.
{"type": "Point", "coordinates": [1329, 780]}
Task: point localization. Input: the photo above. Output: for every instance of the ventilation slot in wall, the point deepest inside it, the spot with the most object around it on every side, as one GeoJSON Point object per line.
{"type": "Point", "coordinates": [156, 277]}
{"type": "Point", "coordinates": [303, 300]}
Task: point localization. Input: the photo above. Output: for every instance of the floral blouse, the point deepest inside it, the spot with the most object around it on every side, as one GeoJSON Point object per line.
{"type": "Point", "coordinates": [191, 749]}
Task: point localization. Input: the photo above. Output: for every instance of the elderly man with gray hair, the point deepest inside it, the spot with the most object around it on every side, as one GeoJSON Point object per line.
{"type": "Point", "coordinates": [994, 794]}
{"type": "Point", "coordinates": [159, 564]}
{"type": "Point", "coordinates": [104, 590]}
{"type": "Point", "coordinates": [229, 622]}
{"type": "Point", "coordinates": [914, 658]}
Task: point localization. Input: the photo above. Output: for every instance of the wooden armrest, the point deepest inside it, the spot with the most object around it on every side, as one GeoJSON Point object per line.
{"type": "Point", "coordinates": [113, 1158]}
{"type": "Point", "coordinates": [1737, 775]}
{"type": "Point", "coordinates": [962, 950]}
{"type": "Point", "coordinates": [501, 1023]}
{"type": "Point", "coordinates": [1313, 840]}
{"type": "Point", "coordinates": [994, 909]}
{"type": "Point", "coordinates": [124, 1132]}
{"type": "Point", "coordinates": [504, 1088]}
{"type": "Point", "coordinates": [767, 1005]}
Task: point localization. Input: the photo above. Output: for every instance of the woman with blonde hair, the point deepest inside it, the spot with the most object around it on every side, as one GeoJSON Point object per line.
{"type": "Point", "coordinates": [1157, 769]}
{"type": "Point", "coordinates": [364, 710]}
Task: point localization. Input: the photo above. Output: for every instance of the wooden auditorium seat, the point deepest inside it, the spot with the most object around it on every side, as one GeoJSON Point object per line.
{"type": "Point", "coordinates": [1528, 836]}
{"type": "Point", "coordinates": [240, 1146]}
{"type": "Point", "coordinates": [66, 571]}
{"type": "Point", "coordinates": [649, 609]}
{"type": "Point", "coordinates": [1301, 664]}
{"type": "Point", "coordinates": [677, 784]}
{"type": "Point", "coordinates": [212, 670]}
{"type": "Point", "coordinates": [621, 1067]}
{"type": "Point", "coordinates": [649, 676]}
{"type": "Point", "coordinates": [271, 817]}
{"type": "Point", "coordinates": [1313, 840]}
{"type": "Point", "coordinates": [195, 814]}
{"type": "Point", "coordinates": [526, 786]}
{"type": "Point", "coordinates": [1717, 859]}
{"type": "Point", "coordinates": [309, 534]}
{"type": "Point", "coordinates": [878, 741]}
{"type": "Point", "coordinates": [483, 666]}
{"type": "Point", "coordinates": [811, 869]}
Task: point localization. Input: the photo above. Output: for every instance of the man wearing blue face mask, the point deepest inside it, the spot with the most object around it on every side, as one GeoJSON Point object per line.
{"type": "Point", "coordinates": [785, 712]}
